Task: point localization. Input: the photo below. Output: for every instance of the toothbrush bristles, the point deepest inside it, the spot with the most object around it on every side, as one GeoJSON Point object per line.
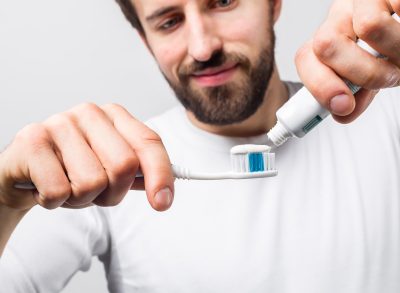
{"type": "Point", "coordinates": [252, 158]}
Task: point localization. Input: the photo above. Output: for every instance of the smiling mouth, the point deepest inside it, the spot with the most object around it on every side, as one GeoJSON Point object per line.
{"type": "Point", "coordinates": [215, 76]}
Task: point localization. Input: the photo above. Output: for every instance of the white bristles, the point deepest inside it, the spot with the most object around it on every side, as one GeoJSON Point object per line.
{"type": "Point", "coordinates": [247, 161]}
{"type": "Point", "coordinates": [241, 161]}
{"type": "Point", "coordinates": [270, 159]}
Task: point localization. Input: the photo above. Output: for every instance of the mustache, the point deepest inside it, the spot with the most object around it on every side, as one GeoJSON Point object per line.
{"type": "Point", "coordinates": [219, 58]}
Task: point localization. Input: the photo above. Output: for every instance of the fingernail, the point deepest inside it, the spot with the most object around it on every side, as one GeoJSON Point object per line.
{"type": "Point", "coordinates": [163, 198]}
{"type": "Point", "coordinates": [341, 105]}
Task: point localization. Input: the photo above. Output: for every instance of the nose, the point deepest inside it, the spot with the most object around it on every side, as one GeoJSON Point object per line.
{"type": "Point", "coordinates": [203, 39]}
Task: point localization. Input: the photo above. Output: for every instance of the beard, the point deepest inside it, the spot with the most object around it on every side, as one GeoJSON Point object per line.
{"type": "Point", "coordinates": [234, 101]}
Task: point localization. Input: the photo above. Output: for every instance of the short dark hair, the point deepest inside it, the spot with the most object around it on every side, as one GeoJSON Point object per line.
{"type": "Point", "coordinates": [129, 11]}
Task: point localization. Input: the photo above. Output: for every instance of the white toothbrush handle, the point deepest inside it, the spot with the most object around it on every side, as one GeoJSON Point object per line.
{"type": "Point", "coordinates": [185, 173]}
{"type": "Point", "coordinates": [355, 88]}
{"type": "Point", "coordinates": [25, 186]}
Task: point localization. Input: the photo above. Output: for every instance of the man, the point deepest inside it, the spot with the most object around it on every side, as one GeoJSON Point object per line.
{"type": "Point", "coordinates": [329, 222]}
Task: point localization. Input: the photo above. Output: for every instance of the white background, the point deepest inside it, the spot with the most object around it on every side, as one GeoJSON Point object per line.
{"type": "Point", "coordinates": [56, 54]}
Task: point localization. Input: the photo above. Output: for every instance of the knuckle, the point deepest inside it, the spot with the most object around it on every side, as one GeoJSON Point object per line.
{"type": "Point", "coordinates": [301, 53]}
{"type": "Point", "coordinates": [395, 6]}
{"type": "Point", "coordinates": [59, 121]}
{"type": "Point", "coordinates": [116, 113]}
{"type": "Point", "coordinates": [87, 112]}
{"type": "Point", "coordinates": [85, 109]}
{"type": "Point", "coordinates": [112, 107]}
{"type": "Point", "coordinates": [32, 131]}
{"type": "Point", "coordinates": [106, 200]}
{"type": "Point", "coordinates": [53, 196]}
{"type": "Point", "coordinates": [368, 26]}
{"type": "Point", "coordinates": [369, 79]}
{"type": "Point", "coordinates": [372, 79]}
{"type": "Point", "coordinates": [148, 136]}
{"type": "Point", "coordinates": [47, 204]}
{"type": "Point", "coordinates": [127, 165]}
{"type": "Point", "coordinates": [90, 185]}
{"type": "Point", "coordinates": [34, 135]}
{"type": "Point", "coordinates": [324, 45]}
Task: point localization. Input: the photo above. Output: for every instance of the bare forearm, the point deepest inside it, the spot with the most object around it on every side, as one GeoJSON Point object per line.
{"type": "Point", "coordinates": [9, 219]}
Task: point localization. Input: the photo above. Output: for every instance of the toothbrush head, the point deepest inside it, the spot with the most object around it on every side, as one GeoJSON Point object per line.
{"type": "Point", "coordinates": [254, 160]}
{"type": "Point", "coordinates": [248, 161]}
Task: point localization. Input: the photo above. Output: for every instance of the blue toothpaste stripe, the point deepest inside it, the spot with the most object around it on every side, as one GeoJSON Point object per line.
{"type": "Point", "coordinates": [256, 162]}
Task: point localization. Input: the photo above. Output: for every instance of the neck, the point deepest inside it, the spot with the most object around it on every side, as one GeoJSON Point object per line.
{"type": "Point", "coordinates": [261, 121]}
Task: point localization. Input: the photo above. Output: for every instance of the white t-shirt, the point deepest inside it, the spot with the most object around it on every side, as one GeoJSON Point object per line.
{"type": "Point", "coordinates": [328, 223]}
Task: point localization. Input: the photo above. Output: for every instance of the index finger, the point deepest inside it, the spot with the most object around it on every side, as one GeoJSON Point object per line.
{"type": "Point", "coordinates": [153, 158]}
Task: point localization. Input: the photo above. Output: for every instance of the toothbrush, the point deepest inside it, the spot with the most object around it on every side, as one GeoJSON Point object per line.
{"type": "Point", "coordinates": [247, 161]}
{"type": "Point", "coordinates": [302, 112]}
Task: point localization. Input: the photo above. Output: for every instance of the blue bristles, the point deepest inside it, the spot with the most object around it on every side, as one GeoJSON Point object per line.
{"type": "Point", "coordinates": [256, 162]}
{"type": "Point", "coordinates": [253, 159]}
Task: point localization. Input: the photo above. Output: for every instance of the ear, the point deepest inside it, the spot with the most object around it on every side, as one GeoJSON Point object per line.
{"type": "Point", "coordinates": [277, 7]}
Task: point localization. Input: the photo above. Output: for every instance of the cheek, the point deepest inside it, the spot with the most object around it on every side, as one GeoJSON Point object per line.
{"type": "Point", "coordinates": [246, 33]}
{"type": "Point", "coordinates": [250, 31]}
{"type": "Point", "coordinates": [247, 40]}
{"type": "Point", "coordinates": [168, 58]}
{"type": "Point", "coordinates": [247, 36]}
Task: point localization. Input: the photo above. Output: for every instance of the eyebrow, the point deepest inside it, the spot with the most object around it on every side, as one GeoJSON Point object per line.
{"type": "Point", "coordinates": [160, 12]}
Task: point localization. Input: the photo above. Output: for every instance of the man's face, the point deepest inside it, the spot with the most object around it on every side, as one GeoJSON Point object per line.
{"type": "Point", "coordinates": [217, 55]}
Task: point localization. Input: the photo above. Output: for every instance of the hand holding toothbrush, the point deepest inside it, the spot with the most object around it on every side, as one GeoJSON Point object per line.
{"type": "Point", "coordinates": [332, 56]}
{"type": "Point", "coordinates": [87, 155]}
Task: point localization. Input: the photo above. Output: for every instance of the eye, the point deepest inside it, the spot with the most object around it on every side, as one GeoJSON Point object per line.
{"type": "Point", "coordinates": [170, 23]}
{"type": "Point", "coordinates": [222, 3]}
